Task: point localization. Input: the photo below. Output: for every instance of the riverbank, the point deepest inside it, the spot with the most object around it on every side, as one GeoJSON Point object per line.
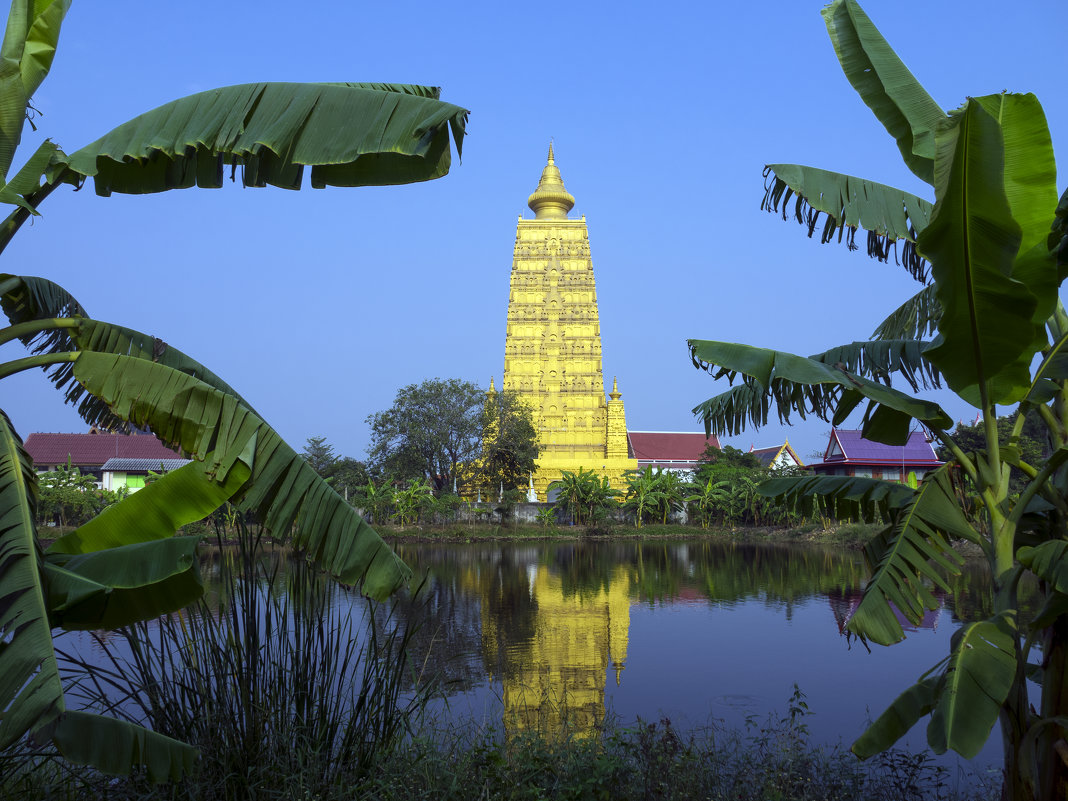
{"type": "Point", "coordinates": [768, 761]}
{"type": "Point", "coordinates": [851, 535]}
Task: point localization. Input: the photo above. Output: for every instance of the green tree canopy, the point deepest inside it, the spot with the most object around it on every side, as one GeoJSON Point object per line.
{"type": "Point", "coordinates": [432, 430]}
{"type": "Point", "coordinates": [509, 441]}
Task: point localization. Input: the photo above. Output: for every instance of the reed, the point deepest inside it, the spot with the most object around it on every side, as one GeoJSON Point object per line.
{"type": "Point", "coordinates": [282, 688]}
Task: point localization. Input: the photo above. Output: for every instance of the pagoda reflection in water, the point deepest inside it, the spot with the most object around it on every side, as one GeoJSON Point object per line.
{"type": "Point", "coordinates": [554, 681]}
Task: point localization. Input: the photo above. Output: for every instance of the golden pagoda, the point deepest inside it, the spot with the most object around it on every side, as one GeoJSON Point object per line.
{"type": "Point", "coordinates": [552, 346]}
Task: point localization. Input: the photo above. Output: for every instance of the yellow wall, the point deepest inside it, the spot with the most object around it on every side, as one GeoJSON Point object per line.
{"type": "Point", "coordinates": [552, 349]}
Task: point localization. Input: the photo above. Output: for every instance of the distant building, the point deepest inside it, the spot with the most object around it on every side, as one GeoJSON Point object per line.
{"type": "Point", "coordinates": [778, 457]}
{"type": "Point", "coordinates": [131, 473]}
{"type": "Point", "coordinates": [849, 454]}
{"type": "Point", "coordinates": [669, 450]}
{"type": "Point", "coordinates": [90, 452]}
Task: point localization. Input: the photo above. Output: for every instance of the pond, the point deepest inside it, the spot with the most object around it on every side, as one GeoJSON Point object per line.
{"type": "Point", "coordinates": [547, 635]}
{"type": "Point", "coordinates": [693, 631]}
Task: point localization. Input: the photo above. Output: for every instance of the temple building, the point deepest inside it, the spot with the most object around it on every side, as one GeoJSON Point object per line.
{"type": "Point", "coordinates": [552, 346]}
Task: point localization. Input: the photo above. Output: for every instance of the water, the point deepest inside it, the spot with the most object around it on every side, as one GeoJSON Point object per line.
{"type": "Point", "coordinates": [538, 635]}
{"type": "Point", "coordinates": [696, 632]}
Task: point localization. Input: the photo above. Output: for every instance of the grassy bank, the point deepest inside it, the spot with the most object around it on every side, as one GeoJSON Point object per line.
{"type": "Point", "coordinates": [773, 761]}
{"type": "Point", "coordinates": [852, 535]}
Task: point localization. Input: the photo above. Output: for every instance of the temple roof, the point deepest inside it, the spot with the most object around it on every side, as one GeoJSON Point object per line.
{"type": "Point", "coordinates": [551, 200]}
{"type": "Point", "coordinates": [93, 450]}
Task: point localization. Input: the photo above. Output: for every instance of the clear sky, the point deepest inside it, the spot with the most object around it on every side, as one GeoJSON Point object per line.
{"type": "Point", "coordinates": [318, 305]}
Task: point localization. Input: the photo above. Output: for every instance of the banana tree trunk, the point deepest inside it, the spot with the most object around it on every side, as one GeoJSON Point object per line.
{"type": "Point", "coordinates": [1051, 748]}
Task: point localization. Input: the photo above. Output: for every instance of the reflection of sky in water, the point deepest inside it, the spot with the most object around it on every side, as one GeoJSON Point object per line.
{"type": "Point", "coordinates": [695, 650]}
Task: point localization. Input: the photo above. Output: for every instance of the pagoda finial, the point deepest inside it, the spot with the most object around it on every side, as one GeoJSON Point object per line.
{"type": "Point", "coordinates": [551, 200]}
{"type": "Point", "coordinates": [615, 394]}
{"type": "Point", "coordinates": [492, 388]}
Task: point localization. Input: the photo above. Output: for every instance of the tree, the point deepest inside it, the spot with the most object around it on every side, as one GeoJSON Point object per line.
{"type": "Point", "coordinates": [345, 474]}
{"type": "Point", "coordinates": [125, 565]}
{"type": "Point", "coordinates": [643, 493]}
{"type": "Point", "coordinates": [1032, 442]}
{"type": "Point", "coordinates": [67, 497]}
{"type": "Point", "coordinates": [509, 441]}
{"type": "Point", "coordinates": [451, 432]}
{"type": "Point", "coordinates": [430, 431]}
{"type": "Point", "coordinates": [584, 495]}
{"type": "Point", "coordinates": [996, 242]}
{"type": "Point", "coordinates": [319, 454]}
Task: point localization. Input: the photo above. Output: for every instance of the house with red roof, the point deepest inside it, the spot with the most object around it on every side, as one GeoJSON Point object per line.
{"type": "Point", "coordinates": [90, 452]}
{"type": "Point", "coordinates": [849, 454]}
{"type": "Point", "coordinates": [668, 450]}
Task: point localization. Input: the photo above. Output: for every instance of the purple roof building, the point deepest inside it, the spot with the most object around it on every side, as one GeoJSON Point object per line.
{"type": "Point", "coordinates": [849, 454]}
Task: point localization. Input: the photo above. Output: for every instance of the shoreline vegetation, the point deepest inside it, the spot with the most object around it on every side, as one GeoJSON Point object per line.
{"type": "Point", "coordinates": [288, 694]}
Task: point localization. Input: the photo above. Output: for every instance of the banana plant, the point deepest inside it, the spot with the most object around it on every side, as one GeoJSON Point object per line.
{"type": "Point", "coordinates": [714, 495]}
{"type": "Point", "coordinates": [990, 246]}
{"type": "Point", "coordinates": [126, 564]}
{"type": "Point", "coordinates": [643, 493]}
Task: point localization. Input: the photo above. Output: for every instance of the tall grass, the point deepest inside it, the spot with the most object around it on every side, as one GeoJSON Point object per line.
{"type": "Point", "coordinates": [286, 693]}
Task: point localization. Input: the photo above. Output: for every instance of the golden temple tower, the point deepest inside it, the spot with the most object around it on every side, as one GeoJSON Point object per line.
{"type": "Point", "coordinates": [552, 346]}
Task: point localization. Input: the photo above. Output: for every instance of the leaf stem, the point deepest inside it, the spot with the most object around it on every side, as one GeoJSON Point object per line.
{"type": "Point", "coordinates": [45, 359]}
{"type": "Point", "coordinates": [35, 327]}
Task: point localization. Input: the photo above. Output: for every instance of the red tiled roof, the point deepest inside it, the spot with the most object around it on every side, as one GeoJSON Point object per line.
{"type": "Point", "coordinates": [669, 447]}
{"type": "Point", "coordinates": [94, 449]}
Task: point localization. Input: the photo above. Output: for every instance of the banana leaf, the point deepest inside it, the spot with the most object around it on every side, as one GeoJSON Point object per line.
{"type": "Point", "coordinates": [794, 383]}
{"type": "Point", "coordinates": [907, 555]}
{"type": "Point", "coordinates": [283, 492]}
{"type": "Point", "coordinates": [908, 113]}
{"type": "Point", "coordinates": [991, 323]}
{"type": "Point", "coordinates": [113, 746]}
{"type": "Point", "coordinates": [889, 215]}
{"type": "Point", "coordinates": [349, 134]}
{"type": "Point", "coordinates": [31, 695]}
{"type": "Point", "coordinates": [979, 676]}
{"type": "Point", "coordinates": [916, 318]}
{"type": "Point", "coordinates": [158, 510]}
{"type": "Point", "coordinates": [852, 497]}
{"type": "Point", "coordinates": [29, 46]}
{"type": "Point", "coordinates": [904, 713]}
{"type": "Point", "coordinates": [120, 586]}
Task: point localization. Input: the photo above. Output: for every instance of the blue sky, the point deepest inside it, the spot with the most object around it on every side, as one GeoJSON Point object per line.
{"type": "Point", "coordinates": [318, 305]}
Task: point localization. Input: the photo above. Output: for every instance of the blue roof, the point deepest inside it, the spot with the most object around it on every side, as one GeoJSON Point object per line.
{"type": "Point", "coordinates": [143, 465]}
{"type": "Point", "coordinates": [856, 449]}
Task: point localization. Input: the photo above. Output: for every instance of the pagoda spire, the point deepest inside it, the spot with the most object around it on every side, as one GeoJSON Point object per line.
{"type": "Point", "coordinates": [551, 201]}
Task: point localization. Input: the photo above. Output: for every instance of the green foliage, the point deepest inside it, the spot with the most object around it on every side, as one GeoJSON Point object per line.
{"type": "Point", "coordinates": [67, 498]}
{"type": "Point", "coordinates": [124, 564]}
{"type": "Point", "coordinates": [410, 502]}
{"type": "Point", "coordinates": [1032, 442]}
{"type": "Point", "coordinates": [345, 474]}
{"type": "Point", "coordinates": [994, 242]}
{"type": "Point", "coordinates": [584, 496]}
{"type": "Point", "coordinates": [509, 442]}
{"type": "Point", "coordinates": [431, 432]}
